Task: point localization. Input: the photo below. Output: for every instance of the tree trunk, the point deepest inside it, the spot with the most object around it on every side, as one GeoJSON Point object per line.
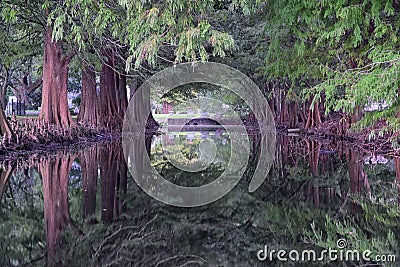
{"type": "Point", "coordinates": [7, 81]}
{"type": "Point", "coordinates": [122, 97]}
{"type": "Point", "coordinates": [3, 96]}
{"type": "Point", "coordinates": [151, 121]}
{"type": "Point", "coordinates": [55, 76]}
{"type": "Point", "coordinates": [112, 93]}
{"type": "Point", "coordinates": [284, 112]}
{"type": "Point", "coordinates": [357, 114]}
{"type": "Point", "coordinates": [314, 117]}
{"type": "Point", "coordinates": [5, 128]}
{"type": "Point", "coordinates": [293, 114]}
{"type": "Point", "coordinates": [89, 111]}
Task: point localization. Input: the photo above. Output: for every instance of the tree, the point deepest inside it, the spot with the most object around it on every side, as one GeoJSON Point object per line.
{"type": "Point", "coordinates": [137, 35]}
{"type": "Point", "coordinates": [55, 77]}
{"type": "Point", "coordinates": [6, 80]}
{"type": "Point", "coordinates": [112, 92]}
{"type": "Point", "coordinates": [27, 75]}
{"type": "Point", "coordinates": [6, 132]}
{"type": "Point", "coordinates": [25, 87]}
{"type": "Point", "coordinates": [34, 17]}
{"type": "Point", "coordinates": [20, 44]}
{"type": "Point", "coordinates": [89, 111]}
{"type": "Point", "coordinates": [343, 53]}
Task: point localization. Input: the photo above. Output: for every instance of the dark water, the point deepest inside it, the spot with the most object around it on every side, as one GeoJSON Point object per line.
{"type": "Point", "coordinates": [83, 206]}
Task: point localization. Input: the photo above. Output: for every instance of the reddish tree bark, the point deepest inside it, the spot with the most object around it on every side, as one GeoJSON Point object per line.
{"type": "Point", "coordinates": [314, 117]}
{"type": "Point", "coordinates": [112, 92]}
{"type": "Point", "coordinates": [284, 111]}
{"type": "Point", "coordinates": [282, 104]}
{"type": "Point", "coordinates": [107, 90]}
{"type": "Point", "coordinates": [89, 112]}
{"type": "Point", "coordinates": [55, 76]}
{"type": "Point", "coordinates": [55, 174]}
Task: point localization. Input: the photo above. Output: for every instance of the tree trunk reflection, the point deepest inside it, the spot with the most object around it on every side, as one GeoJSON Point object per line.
{"type": "Point", "coordinates": [113, 173]}
{"type": "Point", "coordinates": [89, 166]}
{"type": "Point", "coordinates": [55, 174]}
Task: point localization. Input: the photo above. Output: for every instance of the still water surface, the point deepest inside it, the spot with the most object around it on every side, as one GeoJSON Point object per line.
{"type": "Point", "coordinates": [82, 206]}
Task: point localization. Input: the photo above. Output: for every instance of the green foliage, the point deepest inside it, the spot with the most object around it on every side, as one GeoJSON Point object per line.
{"type": "Point", "coordinates": [142, 29]}
{"type": "Point", "coordinates": [348, 50]}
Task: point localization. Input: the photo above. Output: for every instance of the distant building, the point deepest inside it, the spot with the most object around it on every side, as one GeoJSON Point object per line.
{"type": "Point", "coordinates": [14, 107]}
{"type": "Point", "coordinates": [374, 106]}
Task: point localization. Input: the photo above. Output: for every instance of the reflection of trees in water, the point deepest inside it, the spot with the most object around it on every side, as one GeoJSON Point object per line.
{"type": "Point", "coordinates": [109, 163]}
{"type": "Point", "coordinates": [308, 170]}
{"type": "Point", "coordinates": [55, 174]}
{"type": "Point", "coordinates": [89, 166]}
{"type": "Point", "coordinates": [324, 174]}
{"type": "Point", "coordinates": [5, 172]}
{"type": "Point", "coordinates": [21, 213]}
{"type": "Point", "coordinates": [228, 232]}
{"type": "Point", "coordinates": [113, 173]}
{"type": "Point", "coordinates": [357, 175]}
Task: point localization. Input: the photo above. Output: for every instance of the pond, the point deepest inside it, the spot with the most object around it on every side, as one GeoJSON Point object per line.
{"type": "Point", "coordinates": [82, 206]}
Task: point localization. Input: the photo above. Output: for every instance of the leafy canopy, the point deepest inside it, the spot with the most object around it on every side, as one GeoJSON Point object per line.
{"type": "Point", "coordinates": [348, 51]}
